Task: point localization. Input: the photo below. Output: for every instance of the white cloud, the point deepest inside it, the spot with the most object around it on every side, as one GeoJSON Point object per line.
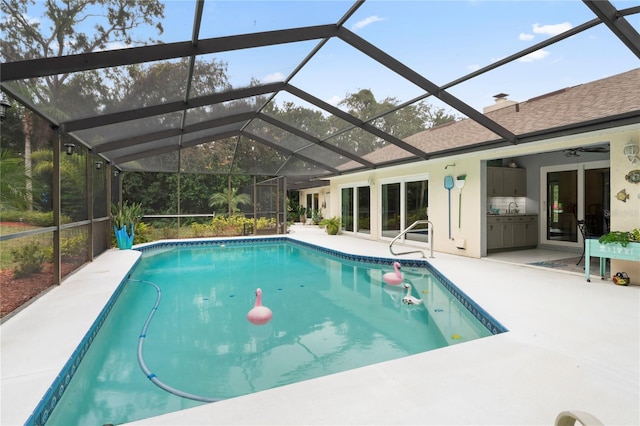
{"type": "Point", "coordinates": [117, 45]}
{"type": "Point", "coordinates": [367, 21]}
{"type": "Point", "coordinates": [473, 67]}
{"type": "Point", "coordinates": [552, 30]}
{"type": "Point", "coordinates": [535, 56]}
{"type": "Point", "coordinates": [272, 78]}
{"type": "Point", "coordinates": [525, 37]}
{"type": "Point", "coordinates": [334, 100]}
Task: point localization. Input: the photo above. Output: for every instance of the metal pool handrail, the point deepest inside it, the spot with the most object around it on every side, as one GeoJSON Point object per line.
{"type": "Point", "coordinates": [413, 225]}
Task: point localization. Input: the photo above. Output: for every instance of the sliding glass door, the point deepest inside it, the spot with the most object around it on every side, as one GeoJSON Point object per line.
{"type": "Point", "coordinates": [562, 205]}
{"type": "Point", "coordinates": [403, 203]}
{"type": "Point", "coordinates": [356, 209]}
{"type": "Point", "coordinates": [571, 193]}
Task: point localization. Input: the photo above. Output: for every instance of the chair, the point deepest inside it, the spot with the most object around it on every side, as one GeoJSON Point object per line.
{"type": "Point", "coordinates": [582, 227]}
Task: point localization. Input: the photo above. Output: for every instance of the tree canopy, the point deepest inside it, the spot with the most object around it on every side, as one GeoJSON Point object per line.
{"type": "Point", "coordinates": [34, 29]}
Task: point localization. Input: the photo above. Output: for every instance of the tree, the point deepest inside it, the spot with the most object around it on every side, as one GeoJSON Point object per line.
{"type": "Point", "coordinates": [230, 198]}
{"type": "Point", "coordinates": [35, 29]}
{"type": "Point", "coordinates": [401, 123]}
{"type": "Point", "coordinates": [13, 185]}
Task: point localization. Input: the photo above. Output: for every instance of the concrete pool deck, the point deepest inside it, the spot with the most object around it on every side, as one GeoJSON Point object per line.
{"type": "Point", "coordinates": [571, 345]}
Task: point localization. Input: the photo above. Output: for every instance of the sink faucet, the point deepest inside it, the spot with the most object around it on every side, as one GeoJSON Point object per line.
{"type": "Point", "coordinates": [509, 208]}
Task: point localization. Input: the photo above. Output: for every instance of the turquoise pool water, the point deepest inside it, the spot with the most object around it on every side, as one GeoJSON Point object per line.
{"type": "Point", "coordinates": [330, 314]}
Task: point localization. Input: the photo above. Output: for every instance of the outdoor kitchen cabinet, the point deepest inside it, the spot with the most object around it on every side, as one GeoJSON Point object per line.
{"type": "Point", "coordinates": [506, 182]}
{"type": "Point", "coordinates": [494, 233]}
{"type": "Point", "coordinates": [511, 231]}
{"type": "Point", "coordinates": [515, 182]}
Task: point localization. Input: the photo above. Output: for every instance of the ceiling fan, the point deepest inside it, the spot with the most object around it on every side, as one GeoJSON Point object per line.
{"type": "Point", "coordinates": [575, 152]}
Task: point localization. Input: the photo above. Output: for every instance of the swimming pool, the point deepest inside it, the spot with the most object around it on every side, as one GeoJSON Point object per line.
{"type": "Point", "coordinates": [321, 325]}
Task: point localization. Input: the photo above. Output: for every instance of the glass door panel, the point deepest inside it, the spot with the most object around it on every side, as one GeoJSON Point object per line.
{"type": "Point", "coordinates": [390, 210]}
{"type": "Point", "coordinates": [364, 205]}
{"type": "Point", "coordinates": [347, 209]}
{"type": "Point", "coordinates": [596, 201]}
{"type": "Point", "coordinates": [416, 203]}
{"type": "Point", "coordinates": [562, 204]}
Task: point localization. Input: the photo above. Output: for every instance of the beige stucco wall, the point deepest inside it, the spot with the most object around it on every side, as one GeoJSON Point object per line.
{"type": "Point", "coordinates": [623, 215]}
{"type": "Point", "coordinates": [434, 171]}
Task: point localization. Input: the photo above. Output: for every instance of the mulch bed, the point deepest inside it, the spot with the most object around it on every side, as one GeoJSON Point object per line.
{"type": "Point", "coordinates": [16, 292]}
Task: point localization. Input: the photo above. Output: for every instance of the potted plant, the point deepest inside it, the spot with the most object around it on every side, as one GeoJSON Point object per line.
{"type": "Point", "coordinates": [332, 225]}
{"type": "Point", "coordinates": [315, 217]}
{"type": "Point", "coordinates": [124, 217]}
{"type": "Point", "coordinates": [302, 213]}
{"type": "Point", "coordinates": [621, 237]}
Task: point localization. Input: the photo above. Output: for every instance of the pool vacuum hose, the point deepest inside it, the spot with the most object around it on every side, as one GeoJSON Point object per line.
{"type": "Point", "coordinates": [143, 365]}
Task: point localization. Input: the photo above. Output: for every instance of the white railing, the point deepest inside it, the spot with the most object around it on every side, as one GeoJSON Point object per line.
{"type": "Point", "coordinates": [413, 225]}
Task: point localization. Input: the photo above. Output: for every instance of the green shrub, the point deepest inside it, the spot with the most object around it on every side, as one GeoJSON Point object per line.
{"type": "Point", "coordinates": [265, 223]}
{"type": "Point", "coordinates": [143, 233]}
{"type": "Point", "coordinates": [73, 247]}
{"type": "Point", "coordinates": [29, 259]}
{"type": "Point", "coordinates": [31, 217]}
{"type": "Point", "coordinates": [201, 230]}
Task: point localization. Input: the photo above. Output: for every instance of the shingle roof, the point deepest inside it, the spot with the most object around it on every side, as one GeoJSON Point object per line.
{"type": "Point", "coordinates": [580, 105]}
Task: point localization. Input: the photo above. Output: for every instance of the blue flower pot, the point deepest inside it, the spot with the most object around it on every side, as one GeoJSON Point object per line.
{"type": "Point", "coordinates": [124, 239]}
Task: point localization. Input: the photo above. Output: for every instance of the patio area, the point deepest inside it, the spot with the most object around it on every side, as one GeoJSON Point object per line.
{"type": "Point", "coordinates": [571, 345]}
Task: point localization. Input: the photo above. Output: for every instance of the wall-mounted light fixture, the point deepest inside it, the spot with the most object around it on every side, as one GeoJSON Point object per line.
{"type": "Point", "coordinates": [631, 151]}
{"type": "Point", "coordinates": [4, 106]}
{"type": "Point", "coordinates": [69, 148]}
{"type": "Point", "coordinates": [116, 173]}
{"type": "Point", "coordinates": [99, 164]}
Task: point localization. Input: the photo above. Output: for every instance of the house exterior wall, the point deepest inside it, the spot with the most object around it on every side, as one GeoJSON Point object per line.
{"type": "Point", "coordinates": [472, 227]}
{"type": "Point", "coordinates": [625, 215]}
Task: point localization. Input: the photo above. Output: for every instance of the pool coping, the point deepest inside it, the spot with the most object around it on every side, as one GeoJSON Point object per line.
{"type": "Point", "coordinates": [552, 330]}
{"type": "Point", "coordinates": [40, 341]}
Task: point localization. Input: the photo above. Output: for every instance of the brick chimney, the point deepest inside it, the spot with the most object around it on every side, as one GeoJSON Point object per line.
{"type": "Point", "coordinates": [501, 102]}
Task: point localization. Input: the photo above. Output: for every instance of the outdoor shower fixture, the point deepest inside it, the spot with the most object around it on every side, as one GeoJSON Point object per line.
{"type": "Point", "coordinates": [4, 106]}
{"type": "Point", "coordinates": [449, 165]}
{"type": "Point", "coordinates": [631, 151]}
{"type": "Point", "coordinates": [69, 148]}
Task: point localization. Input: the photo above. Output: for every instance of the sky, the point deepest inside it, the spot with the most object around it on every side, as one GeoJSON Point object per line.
{"type": "Point", "coordinates": [441, 40]}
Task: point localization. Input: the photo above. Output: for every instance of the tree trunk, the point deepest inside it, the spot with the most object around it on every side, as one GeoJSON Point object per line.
{"type": "Point", "coordinates": [27, 127]}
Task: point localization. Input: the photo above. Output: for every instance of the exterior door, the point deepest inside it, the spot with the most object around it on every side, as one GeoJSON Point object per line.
{"type": "Point", "coordinates": [356, 206]}
{"type": "Point", "coordinates": [402, 204]}
{"type": "Point", "coordinates": [574, 192]}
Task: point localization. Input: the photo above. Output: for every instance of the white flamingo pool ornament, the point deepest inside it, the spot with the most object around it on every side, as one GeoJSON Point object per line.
{"type": "Point", "coordinates": [393, 278]}
{"type": "Point", "coordinates": [259, 315]}
{"type": "Point", "coordinates": [409, 299]}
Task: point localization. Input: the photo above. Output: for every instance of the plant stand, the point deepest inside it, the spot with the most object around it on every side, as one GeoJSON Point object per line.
{"type": "Point", "coordinates": [608, 251]}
